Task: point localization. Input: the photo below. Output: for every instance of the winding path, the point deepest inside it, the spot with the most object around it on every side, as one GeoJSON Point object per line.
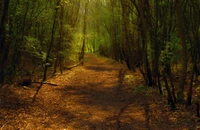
{"type": "Point", "coordinates": [93, 98]}
{"type": "Point", "coordinates": [89, 97]}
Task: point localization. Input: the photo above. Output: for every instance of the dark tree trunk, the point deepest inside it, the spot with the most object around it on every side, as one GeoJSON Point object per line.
{"type": "Point", "coordinates": [194, 41]}
{"type": "Point", "coordinates": [51, 42]}
{"type": "Point", "coordinates": [61, 63]}
{"type": "Point", "coordinates": [82, 54]}
{"type": "Point", "coordinates": [197, 109]}
{"type": "Point", "coordinates": [126, 42]}
{"type": "Point", "coordinates": [2, 40]}
{"type": "Point", "coordinates": [182, 31]}
{"type": "Point", "coordinates": [170, 98]}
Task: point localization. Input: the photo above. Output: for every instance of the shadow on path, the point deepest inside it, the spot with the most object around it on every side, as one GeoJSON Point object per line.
{"type": "Point", "coordinates": [90, 97]}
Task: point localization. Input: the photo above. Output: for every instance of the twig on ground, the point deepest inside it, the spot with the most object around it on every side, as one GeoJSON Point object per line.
{"type": "Point", "coordinates": [70, 67]}
{"type": "Point", "coordinates": [46, 83]}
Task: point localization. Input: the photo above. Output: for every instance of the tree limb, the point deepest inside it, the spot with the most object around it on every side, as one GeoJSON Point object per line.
{"type": "Point", "coordinates": [75, 65]}
{"type": "Point", "coordinates": [46, 83]}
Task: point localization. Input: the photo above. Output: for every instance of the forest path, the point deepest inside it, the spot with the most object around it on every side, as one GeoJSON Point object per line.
{"type": "Point", "coordinates": [95, 96]}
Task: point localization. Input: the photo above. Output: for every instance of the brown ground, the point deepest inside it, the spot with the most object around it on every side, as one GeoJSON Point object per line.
{"type": "Point", "coordinates": [101, 95]}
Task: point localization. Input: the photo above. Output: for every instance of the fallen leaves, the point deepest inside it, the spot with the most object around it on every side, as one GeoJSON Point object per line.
{"type": "Point", "coordinates": [89, 97]}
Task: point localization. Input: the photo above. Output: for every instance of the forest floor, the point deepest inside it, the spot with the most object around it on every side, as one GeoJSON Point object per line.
{"type": "Point", "coordinates": [100, 95]}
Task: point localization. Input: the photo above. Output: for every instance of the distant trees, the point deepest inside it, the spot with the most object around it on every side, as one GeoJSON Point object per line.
{"type": "Point", "coordinates": [165, 30]}
{"type": "Point", "coordinates": [149, 35]}
{"type": "Point", "coordinates": [82, 53]}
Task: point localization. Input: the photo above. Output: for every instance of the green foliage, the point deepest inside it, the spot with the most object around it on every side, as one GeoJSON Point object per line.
{"type": "Point", "coordinates": [171, 51]}
{"type": "Point", "coordinates": [33, 46]}
{"type": "Point", "coordinates": [103, 18]}
{"type": "Point", "coordinates": [140, 88]}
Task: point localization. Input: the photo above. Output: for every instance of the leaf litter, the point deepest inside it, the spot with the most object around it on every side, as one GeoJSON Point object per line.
{"type": "Point", "coordinates": [101, 95]}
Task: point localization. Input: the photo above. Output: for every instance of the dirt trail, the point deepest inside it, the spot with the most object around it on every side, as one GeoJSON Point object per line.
{"type": "Point", "coordinates": [89, 97]}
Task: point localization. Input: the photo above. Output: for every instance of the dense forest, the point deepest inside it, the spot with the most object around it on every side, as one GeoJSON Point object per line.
{"type": "Point", "coordinates": [160, 38]}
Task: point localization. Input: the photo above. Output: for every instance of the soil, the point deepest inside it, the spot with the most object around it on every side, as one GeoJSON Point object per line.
{"type": "Point", "coordinates": [100, 95]}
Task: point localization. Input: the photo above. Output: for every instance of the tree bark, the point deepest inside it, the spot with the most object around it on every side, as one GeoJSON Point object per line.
{"type": "Point", "coordinates": [126, 42]}
{"type": "Point", "coordinates": [2, 40]}
{"type": "Point", "coordinates": [181, 30]}
{"type": "Point", "coordinates": [170, 98]}
{"type": "Point", "coordinates": [51, 42]}
{"type": "Point", "coordinates": [143, 34]}
{"type": "Point", "coordinates": [81, 57]}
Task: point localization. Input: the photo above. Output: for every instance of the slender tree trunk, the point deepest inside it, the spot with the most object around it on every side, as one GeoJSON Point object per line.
{"type": "Point", "coordinates": [60, 40]}
{"type": "Point", "coordinates": [170, 98]}
{"type": "Point", "coordinates": [126, 40]}
{"type": "Point", "coordinates": [61, 63]}
{"type": "Point", "coordinates": [189, 96]}
{"type": "Point", "coordinates": [55, 65]}
{"type": "Point", "coordinates": [51, 42]}
{"type": "Point", "coordinates": [194, 41]}
{"type": "Point", "coordinates": [181, 30]}
{"type": "Point", "coordinates": [2, 24]}
{"type": "Point", "coordinates": [81, 57]}
{"type": "Point", "coordinates": [143, 39]}
{"type": "Point", "coordinates": [194, 55]}
{"type": "Point", "coordinates": [169, 73]}
{"type": "Point", "coordinates": [2, 41]}
{"type": "Point", "coordinates": [155, 44]}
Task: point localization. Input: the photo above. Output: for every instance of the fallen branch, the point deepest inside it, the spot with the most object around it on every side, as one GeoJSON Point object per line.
{"type": "Point", "coordinates": [70, 67]}
{"type": "Point", "coordinates": [46, 83]}
{"type": "Point", "coordinates": [38, 89]}
{"type": "Point", "coordinates": [29, 82]}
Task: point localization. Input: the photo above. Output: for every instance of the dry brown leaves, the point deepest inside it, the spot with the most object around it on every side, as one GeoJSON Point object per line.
{"type": "Point", "coordinates": [101, 95]}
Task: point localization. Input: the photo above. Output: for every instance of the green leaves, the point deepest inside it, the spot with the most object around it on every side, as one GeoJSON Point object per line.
{"type": "Point", "coordinates": [171, 50]}
{"type": "Point", "coordinates": [33, 46]}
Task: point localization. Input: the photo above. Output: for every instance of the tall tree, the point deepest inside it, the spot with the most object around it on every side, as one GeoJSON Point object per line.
{"type": "Point", "coordinates": [182, 34]}
{"type": "Point", "coordinates": [52, 39]}
{"type": "Point", "coordinates": [2, 41]}
{"type": "Point", "coordinates": [81, 57]}
{"type": "Point", "coordinates": [193, 24]}
{"type": "Point", "coordinates": [126, 39]}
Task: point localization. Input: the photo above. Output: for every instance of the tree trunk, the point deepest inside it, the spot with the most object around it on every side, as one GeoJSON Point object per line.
{"type": "Point", "coordinates": [143, 34]}
{"type": "Point", "coordinates": [60, 40]}
{"type": "Point", "coordinates": [173, 107]}
{"type": "Point", "coordinates": [2, 41]}
{"type": "Point", "coordinates": [194, 41]}
{"type": "Point", "coordinates": [81, 57]}
{"type": "Point", "coordinates": [61, 63]}
{"type": "Point", "coordinates": [181, 30]}
{"type": "Point", "coordinates": [126, 42]}
{"type": "Point", "coordinates": [189, 98]}
{"type": "Point", "coordinates": [55, 65]}
{"type": "Point", "coordinates": [51, 42]}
